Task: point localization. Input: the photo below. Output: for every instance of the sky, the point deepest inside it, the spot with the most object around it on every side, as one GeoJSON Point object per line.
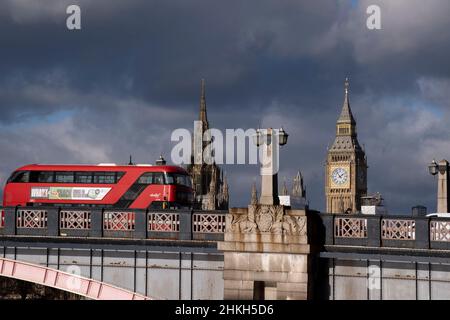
{"type": "Point", "coordinates": [131, 76]}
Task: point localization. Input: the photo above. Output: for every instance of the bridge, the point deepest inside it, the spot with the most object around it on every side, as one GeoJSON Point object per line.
{"type": "Point", "coordinates": [144, 254]}
{"type": "Point", "coordinates": [385, 257]}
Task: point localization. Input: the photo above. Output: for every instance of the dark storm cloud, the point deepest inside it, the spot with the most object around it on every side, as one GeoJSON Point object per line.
{"type": "Point", "coordinates": [131, 76]}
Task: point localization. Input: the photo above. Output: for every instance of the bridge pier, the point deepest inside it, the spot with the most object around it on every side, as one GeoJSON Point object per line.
{"type": "Point", "coordinates": [267, 254]}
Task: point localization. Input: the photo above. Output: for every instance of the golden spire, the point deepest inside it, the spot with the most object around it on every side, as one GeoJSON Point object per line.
{"type": "Point", "coordinates": [346, 113]}
{"type": "Point", "coordinates": [346, 85]}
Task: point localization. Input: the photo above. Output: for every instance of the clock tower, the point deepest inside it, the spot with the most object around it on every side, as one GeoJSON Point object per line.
{"type": "Point", "coordinates": [346, 165]}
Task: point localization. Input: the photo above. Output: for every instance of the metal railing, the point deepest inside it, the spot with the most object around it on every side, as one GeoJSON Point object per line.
{"type": "Point", "coordinates": [31, 219]}
{"type": "Point", "coordinates": [75, 219]}
{"type": "Point", "coordinates": [164, 222]}
{"type": "Point", "coordinates": [350, 228]}
{"type": "Point", "coordinates": [386, 231]}
{"type": "Point", "coordinates": [398, 229]}
{"type": "Point", "coordinates": [358, 229]}
{"type": "Point", "coordinates": [208, 223]}
{"type": "Point", "coordinates": [106, 222]}
{"type": "Point", "coordinates": [119, 220]}
{"type": "Point", "coordinates": [440, 231]}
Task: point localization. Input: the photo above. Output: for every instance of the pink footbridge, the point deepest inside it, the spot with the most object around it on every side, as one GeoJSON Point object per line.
{"type": "Point", "coordinates": [85, 287]}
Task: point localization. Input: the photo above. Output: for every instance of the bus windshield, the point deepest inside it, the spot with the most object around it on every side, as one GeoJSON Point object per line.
{"type": "Point", "coordinates": [180, 179]}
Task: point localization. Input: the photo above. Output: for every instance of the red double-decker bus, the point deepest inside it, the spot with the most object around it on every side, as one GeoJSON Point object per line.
{"type": "Point", "coordinates": [104, 185]}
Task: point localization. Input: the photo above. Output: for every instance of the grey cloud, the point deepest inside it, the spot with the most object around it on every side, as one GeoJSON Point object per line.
{"type": "Point", "coordinates": [131, 76]}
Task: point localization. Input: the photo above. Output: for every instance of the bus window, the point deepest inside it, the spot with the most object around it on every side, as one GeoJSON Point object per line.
{"type": "Point", "coordinates": [41, 176]}
{"type": "Point", "coordinates": [64, 177]}
{"type": "Point", "coordinates": [119, 176]}
{"type": "Point", "coordinates": [151, 178]}
{"type": "Point", "coordinates": [44, 176]}
{"type": "Point", "coordinates": [105, 177]}
{"type": "Point", "coordinates": [20, 176]}
{"type": "Point", "coordinates": [186, 180]}
{"type": "Point", "coordinates": [158, 178]}
{"type": "Point", "coordinates": [83, 177]}
{"type": "Point", "coordinates": [146, 178]}
{"type": "Point", "coordinates": [170, 178]}
{"type": "Point", "coordinates": [180, 179]}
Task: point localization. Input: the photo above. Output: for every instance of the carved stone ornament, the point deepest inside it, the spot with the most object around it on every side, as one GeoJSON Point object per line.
{"type": "Point", "coordinates": [266, 218]}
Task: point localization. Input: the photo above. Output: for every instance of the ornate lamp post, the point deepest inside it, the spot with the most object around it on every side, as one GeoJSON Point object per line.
{"type": "Point", "coordinates": [433, 168]}
{"type": "Point", "coordinates": [269, 140]}
{"type": "Point", "coordinates": [441, 168]}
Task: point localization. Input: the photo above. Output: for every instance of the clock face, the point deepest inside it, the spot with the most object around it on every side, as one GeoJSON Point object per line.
{"type": "Point", "coordinates": [339, 176]}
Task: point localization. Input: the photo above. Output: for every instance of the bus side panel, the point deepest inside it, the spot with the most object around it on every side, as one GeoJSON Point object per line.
{"type": "Point", "coordinates": [16, 194]}
{"type": "Point", "coordinates": [154, 192]}
{"type": "Point", "coordinates": [20, 193]}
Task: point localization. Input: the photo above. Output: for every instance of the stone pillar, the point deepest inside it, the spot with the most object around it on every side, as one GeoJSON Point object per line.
{"type": "Point", "coordinates": [269, 190]}
{"type": "Point", "coordinates": [266, 254]}
{"type": "Point", "coordinates": [269, 145]}
{"type": "Point", "coordinates": [266, 250]}
{"type": "Point", "coordinates": [443, 199]}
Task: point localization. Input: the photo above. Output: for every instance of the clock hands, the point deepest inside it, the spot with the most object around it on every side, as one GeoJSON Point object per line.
{"type": "Point", "coordinates": [340, 176]}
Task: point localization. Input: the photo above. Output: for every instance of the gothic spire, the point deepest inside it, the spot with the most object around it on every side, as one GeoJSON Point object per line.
{"type": "Point", "coordinates": [226, 195]}
{"type": "Point", "coordinates": [346, 113]}
{"type": "Point", "coordinates": [298, 189]}
{"type": "Point", "coordinates": [203, 115]}
{"type": "Point", "coordinates": [254, 194]}
{"type": "Point", "coordinates": [213, 183]}
{"type": "Point", "coordinates": [284, 191]}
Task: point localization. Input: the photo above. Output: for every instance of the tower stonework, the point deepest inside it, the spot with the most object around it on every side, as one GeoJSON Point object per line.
{"type": "Point", "coordinates": [346, 165]}
{"type": "Point", "coordinates": [210, 186]}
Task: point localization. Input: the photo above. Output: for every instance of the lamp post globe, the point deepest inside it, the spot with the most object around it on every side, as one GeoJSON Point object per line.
{"type": "Point", "coordinates": [282, 137]}
{"type": "Point", "coordinates": [257, 137]}
{"type": "Point", "coordinates": [433, 168]}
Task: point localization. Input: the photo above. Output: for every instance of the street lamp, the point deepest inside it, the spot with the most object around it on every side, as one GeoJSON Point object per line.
{"type": "Point", "coordinates": [282, 137]}
{"type": "Point", "coordinates": [257, 138]}
{"type": "Point", "coordinates": [269, 160]}
{"type": "Point", "coordinates": [443, 198]}
{"type": "Point", "coordinates": [265, 136]}
{"type": "Point", "coordinates": [433, 168]}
